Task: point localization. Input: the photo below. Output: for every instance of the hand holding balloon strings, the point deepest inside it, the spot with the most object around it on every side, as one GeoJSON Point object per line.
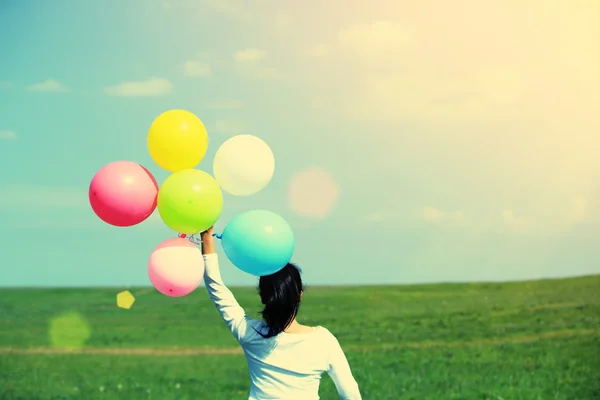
{"type": "Point", "coordinates": [197, 238]}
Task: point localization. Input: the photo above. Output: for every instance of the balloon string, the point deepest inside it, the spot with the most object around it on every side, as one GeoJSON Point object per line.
{"type": "Point", "coordinates": [196, 238]}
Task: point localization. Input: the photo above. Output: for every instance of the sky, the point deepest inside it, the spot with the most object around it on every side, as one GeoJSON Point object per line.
{"type": "Point", "coordinates": [415, 141]}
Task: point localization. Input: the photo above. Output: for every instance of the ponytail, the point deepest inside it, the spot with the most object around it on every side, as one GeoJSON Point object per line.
{"type": "Point", "coordinates": [280, 293]}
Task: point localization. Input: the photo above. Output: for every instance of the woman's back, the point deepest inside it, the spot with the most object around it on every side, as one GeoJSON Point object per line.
{"type": "Point", "coordinates": [290, 365]}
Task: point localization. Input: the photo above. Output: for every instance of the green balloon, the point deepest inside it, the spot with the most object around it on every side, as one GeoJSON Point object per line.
{"type": "Point", "coordinates": [190, 201]}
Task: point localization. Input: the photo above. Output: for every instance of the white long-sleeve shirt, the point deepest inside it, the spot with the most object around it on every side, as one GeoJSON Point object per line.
{"type": "Point", "coordinates": [287, 366]}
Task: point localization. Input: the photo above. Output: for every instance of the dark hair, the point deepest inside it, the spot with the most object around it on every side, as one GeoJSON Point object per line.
{"type": "Point", "coordinates": [280, 293]}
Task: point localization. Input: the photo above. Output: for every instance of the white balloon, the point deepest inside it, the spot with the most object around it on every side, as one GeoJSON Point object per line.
{"type": "Point", "coordinates": [243, 165]}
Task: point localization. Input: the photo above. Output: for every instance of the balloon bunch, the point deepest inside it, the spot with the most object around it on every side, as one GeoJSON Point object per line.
{"type": "Point", "coordinates": [189, 201]}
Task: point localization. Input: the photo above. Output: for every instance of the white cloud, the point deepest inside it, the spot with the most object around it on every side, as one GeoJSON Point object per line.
{"type": "Point", "coordinates": [228, 126]}
{"type": "Point", "coordinates": [487, 223]}
{"type": "Point", "coordinates": [249, 59]}
{"type": "Point", "coordinates": [249, 55]}
{"type": "Point", "coordinates": [8, 135]}
{"type": "Point", "coordinates": [151, 87]}
{"type": "Point", "coordinates": [38, 196]}
{"type": "Point", "coordinates": [434, 215]}
{"type": "Point", "coordinates": [48, 86]}
{"type": "Point", "coordinates": [196, 69]}
{"type": "Point", "coordinates": [223, 105]}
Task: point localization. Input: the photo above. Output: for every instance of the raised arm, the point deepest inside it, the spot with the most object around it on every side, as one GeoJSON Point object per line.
{"type": "Point", "coordinates": [340, 373]}
{"type": "Point", "coordinates": [232, 313]}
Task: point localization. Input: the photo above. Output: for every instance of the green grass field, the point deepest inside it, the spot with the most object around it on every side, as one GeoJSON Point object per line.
{"type": "Point", "coordinates": [508, 341]}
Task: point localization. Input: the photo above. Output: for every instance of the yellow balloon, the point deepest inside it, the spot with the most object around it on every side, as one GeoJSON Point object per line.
{"type": "Point", "coordinates": [177, 140]}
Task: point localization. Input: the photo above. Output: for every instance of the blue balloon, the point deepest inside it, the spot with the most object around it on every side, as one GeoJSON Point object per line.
{"type": "Point", "coordinates": [258, 242]}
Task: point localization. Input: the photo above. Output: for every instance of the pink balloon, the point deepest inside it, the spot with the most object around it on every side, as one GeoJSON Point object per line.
{"type": "Point", "coordinates": [123, 193]}
{"type": "Point", "coordinates": [176, 267]}
{"type": "Point", "coordinates": [175, 242]}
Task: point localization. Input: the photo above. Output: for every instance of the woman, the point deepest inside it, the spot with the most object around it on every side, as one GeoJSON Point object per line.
{"type": "Point", "coordinates": [285, 359]}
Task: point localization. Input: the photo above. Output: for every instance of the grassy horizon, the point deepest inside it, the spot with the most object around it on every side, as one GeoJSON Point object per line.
{"type": "Point", "coordinates": [201, 287]}
{"type": "Point", "coordinates": [494, 340]}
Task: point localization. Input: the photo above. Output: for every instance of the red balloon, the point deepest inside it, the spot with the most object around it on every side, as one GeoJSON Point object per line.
{"type": "Point", "coordinates": [123, 193]}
